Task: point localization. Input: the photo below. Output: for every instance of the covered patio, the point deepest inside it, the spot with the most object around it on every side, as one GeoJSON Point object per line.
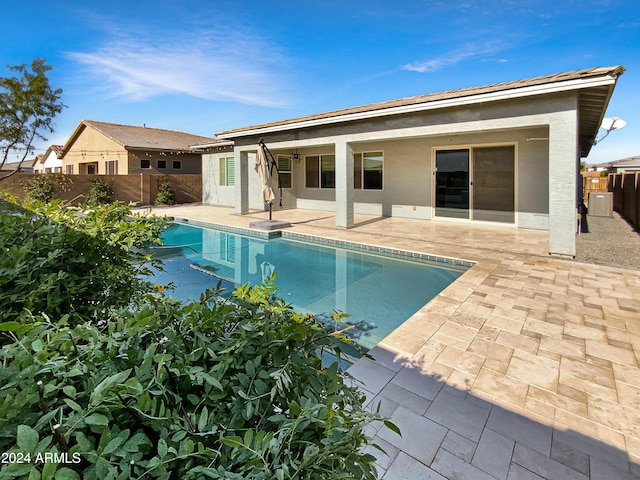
{"type": "Point", "coordinates": [502, 155]}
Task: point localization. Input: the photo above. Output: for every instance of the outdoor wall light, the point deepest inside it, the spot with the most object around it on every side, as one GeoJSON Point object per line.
{"type": "Point", "coordinates": [295, 156]}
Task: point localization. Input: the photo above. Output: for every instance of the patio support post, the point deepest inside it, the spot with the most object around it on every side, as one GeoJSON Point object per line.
{"type": "Point", "coordinates": [241, 166]}
{"type": "Point", "coordinates": [344, 185]}
{"type": "Point", "coordinates": [563, 156]}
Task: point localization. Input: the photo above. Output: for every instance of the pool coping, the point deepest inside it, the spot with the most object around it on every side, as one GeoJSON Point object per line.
{"type": "Point", "coordinates": [400, 254]}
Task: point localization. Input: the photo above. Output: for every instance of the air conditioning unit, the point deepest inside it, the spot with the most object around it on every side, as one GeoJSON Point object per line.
{"type": "Point", "coordinates": [601, 204]}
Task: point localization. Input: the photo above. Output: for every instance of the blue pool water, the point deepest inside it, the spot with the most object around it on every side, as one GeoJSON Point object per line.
{"type": "Point", "coordinates": [378, 292]}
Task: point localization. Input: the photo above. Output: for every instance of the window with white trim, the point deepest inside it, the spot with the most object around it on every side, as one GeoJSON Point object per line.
{"type": "Point", "coordinates": [69, 169]}
{"type": "Point", "coordinates": [111, 167]}
{"type": "Point", "coordinates": [367, 170]}
{"type": "Point", "coordinates": [284, 171]}
{"type": "Point", "coordinates": [227, 172]}
{"type": "Point", "coordinates": [320, 171]}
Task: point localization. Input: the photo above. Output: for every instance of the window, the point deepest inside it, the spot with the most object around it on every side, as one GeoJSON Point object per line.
{"type": "Point", "coordinates": [177, 165]}
{"type": "Point", "coordinates": [111, 167]}
{"type": "Point", "coordinates": [284, 170]}
{"type": "Point", "coordinates": [227, 172]}
{"type": "Point", "coordinates": [144, 163]}
{"type": "Point", "coordinates": [228, 248]}
{"type": "Point", "coordinates": [69, 170]}
{"type": "Point", "coordinates": [320, 171]}
{"type": "Point", "coordinates": [91, 169]}
{"type": "Point", "coordinates": [367, 170]}
{"type": "Point", "coordinates": [162, 164]}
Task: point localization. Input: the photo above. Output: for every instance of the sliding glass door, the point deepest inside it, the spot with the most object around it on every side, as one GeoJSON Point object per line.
{"type": "Point", "coordinates": [476, 183]}
{"type": "Point", "coordinates": [452, 183]}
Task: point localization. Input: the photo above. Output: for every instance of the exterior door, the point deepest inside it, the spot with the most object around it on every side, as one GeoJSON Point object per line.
{"type": "Point", "coordinates": [476, 183]}
{"type": "Point", "coordinates": [452, 183]}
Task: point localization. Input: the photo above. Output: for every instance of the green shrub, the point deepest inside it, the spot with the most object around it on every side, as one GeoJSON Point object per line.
{"type": "Point", "coordinates": [100, 192]}
{"type": "Point", "coordinates": [60, 261]}
{"type": "Point", "coordinates": [40, 188]}
{"type": "Point", "coordinates": [165, 194]}
{"type": "Point", "coordinates": [219, 388]}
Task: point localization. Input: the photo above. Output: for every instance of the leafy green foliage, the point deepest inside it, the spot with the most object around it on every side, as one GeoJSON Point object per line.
{"type": "Point", "coordinates": [58, 260]}
{"type": "Point", "coordinates": [212, 389]}
{"type": "Point", "coordinates": [100, 192]}
{"type": "Point", "coordinates": [165, 194]}
{"type": "Point", "coordinates": [28, 106]}
{"type": "Point", "coordinates": [115, 383]}
{"type": "Point", "coordinates": [44, 187]}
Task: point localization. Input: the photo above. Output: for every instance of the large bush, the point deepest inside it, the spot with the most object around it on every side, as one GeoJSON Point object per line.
{"type": "Point", "coordinates": [60, 261]}
{"type": "Point", "coordinates": [216, 389]}
{"type": "Point", "coordinates": [100, 192]}
{"type": "Point", "coordinates": [150, 387]}
{"type": "Point", "coordinates": [44, 187]}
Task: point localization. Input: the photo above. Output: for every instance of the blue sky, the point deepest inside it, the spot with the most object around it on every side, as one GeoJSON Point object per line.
{"type": "Point", "coordinates": [205, 66]}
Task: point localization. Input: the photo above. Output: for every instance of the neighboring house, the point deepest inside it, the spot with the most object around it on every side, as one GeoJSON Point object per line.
{"type": "Point", "coordinates": [49, 162]}
{"type": "Point", "coordinates": [631, 164]}
{"type": "Point", "coordinates": [26, 167]}
{"type": "Point", "coordinates": [506, 154]}
{"type": "Point", "coordinates": [112, 149]}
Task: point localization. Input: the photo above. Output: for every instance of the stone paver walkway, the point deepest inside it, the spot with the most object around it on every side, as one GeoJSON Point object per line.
{"type": "Point", "coordinates": [525, 368]}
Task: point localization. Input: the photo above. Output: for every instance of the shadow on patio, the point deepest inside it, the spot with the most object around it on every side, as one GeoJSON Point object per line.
{"type": "Point", "coordinates": [463, 433]}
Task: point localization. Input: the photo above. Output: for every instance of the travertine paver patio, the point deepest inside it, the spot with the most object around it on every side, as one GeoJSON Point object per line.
{"type": "Point", "coordinates": [525, 368]}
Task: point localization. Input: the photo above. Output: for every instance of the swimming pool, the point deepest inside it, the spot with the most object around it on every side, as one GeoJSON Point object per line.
{"type": "Point", "coordinates": [378, 292]}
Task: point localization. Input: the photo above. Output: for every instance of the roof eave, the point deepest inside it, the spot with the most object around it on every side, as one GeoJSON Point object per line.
{"type": "Point", "coordinates": [544, 89]}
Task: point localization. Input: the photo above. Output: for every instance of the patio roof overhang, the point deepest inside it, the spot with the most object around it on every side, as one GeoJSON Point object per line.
{"type": "Point", "coordinates": [595, 87]}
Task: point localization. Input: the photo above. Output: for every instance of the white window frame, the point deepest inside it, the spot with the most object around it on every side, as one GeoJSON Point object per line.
{"type": "Point", "coordinates": [319, 156]}
{"type": "Point", "coordinates": [361, 156]}
{"type": "Point", "coordinates": [226, 165]}
{"type": "Point", "coordinates": [286, 172]}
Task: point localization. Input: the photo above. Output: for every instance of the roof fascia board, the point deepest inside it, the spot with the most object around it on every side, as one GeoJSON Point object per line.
{"type": "Point", "coordinates": [226, 143]}
{"type": "Point", "coordinates": [436, 104]}
{"type": "Point", "coordinates": [72, 139]}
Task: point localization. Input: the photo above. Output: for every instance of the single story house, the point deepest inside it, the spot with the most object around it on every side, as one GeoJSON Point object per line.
{"type": "Point", "coordinates": [506, 154]}
{"type": "Point", "coordinates": [49, 162]}
{"type": "Point", "coordinates": [113, 149]}
{"type": "Point", "coordinates": [25, 167]}
{"type": "Point", "coordinates": [630, 164]}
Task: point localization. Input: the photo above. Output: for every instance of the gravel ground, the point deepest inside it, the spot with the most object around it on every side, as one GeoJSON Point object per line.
{"type": "Point", "coordinates": [610, 241]}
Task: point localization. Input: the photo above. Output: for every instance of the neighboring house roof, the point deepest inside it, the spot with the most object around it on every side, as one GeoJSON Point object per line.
{"type": "Point", "coordinates": [138, 138]}
{"type": "Point", "coordinates": [596, 85]}
{"type": "Point", "coordinates": [625, 162]}
{"type": "Point", "coordinates": [27, 165]}
{"type": "Point", "coordinates": [55, 149]}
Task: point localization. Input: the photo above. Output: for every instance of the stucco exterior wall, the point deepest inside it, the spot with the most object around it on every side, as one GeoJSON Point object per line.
{"type": "Point", "coordinates": [92, 147]}
{"type": "Point", "coordinates": [212, 192]}
{"type": "Point", "coordinates": [546, 168]}
{"type": "Point", "coordinates": [190, 163]}
{"type": "Point", "coordinates": [408, 175]}
{"type": "Point", "coordinates": [50, 164]}
{"type": "Point", "coordinates": [215, 194]}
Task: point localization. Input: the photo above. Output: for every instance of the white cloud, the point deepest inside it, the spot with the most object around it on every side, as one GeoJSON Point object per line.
{"type": "Point", "coordinates": [451, 58]}
{"type": "Point", "coordinates": [227, 67]}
